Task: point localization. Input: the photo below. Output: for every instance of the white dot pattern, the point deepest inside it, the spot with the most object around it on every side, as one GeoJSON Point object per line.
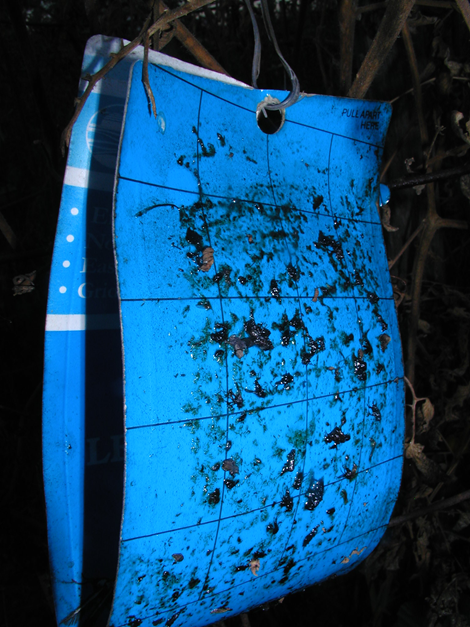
{"type": "Point", "coordinates": [70, 238]}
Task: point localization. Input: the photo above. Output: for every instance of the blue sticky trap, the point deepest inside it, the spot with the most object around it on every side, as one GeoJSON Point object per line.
{"type": "Point", "coordinates": [384, 195]}
{"type": "Point", "coordinates": [263, 385]}
{"type": "Point", "coordinates": [263, 374]}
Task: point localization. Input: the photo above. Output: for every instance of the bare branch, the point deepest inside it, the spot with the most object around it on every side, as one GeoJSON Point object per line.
{"type": "Point", "coordinates": [145, 75]}
{"type": "Point", "coordinates": [347, 24]}
{"type": "Point", "coordinates": [418, 95]}
{"type": "Point", "coordinates": [417, 231]}
{"type": "Point", "coordinates": [195, 47]}
{"type": "Point", "coordinates": [444, 504]}
{"type": "Point", "coordinates": [166, 18]}
{"type": "Point", "coordinates": [390, 27]}
{"type": "Point", "coordinates": [464, 7]}
{"type": "Point", "coordinates": [413, 405]}
{"type": "Point", "coordinates": [7, 231]}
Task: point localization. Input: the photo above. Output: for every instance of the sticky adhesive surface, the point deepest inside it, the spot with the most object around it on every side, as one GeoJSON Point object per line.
{"type": "Point", "coordinates": [262, 361]}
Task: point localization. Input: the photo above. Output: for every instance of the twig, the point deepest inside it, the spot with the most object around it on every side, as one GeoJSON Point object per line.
{"type": "Point", "coordinates": [410, 52]}
{"type": "Point", "coordinates": [245, 620]}
{"type": "Point", "coordinates": [390, 27]}
{"type": "Point", "coordinates": [465, 10]}
{"type": "Point", "coordinates": [156, 12]}
{"type": "Point", "coordinates": [396, 290]}
{"type": "Point", "coordinates": [321, 65]}
{"type": "Point", "coordinates": [431, 177]}
{"type": "Point", "coordinates": [93, 80]}
{"type": "Point", "coordinates": [162, 38]}
{"type": "Point", "coordinates": [428, 152]}
{"type": "Point", "coordinates": [405, 245]}
{"type": "Point", "coordinates": [457, 459]}
{"type": "Point", "coordinates": [166, 18]}
{"type": "Point", "coordinates": [398, 147]}
{"type": "Point", "coordinates": [435, 4]}
{"type": "Point", "coordinates": [410, 91]}
{"type": "Point", "coordinates": [7, 231]}
{"type": "Point", "coordinates": [452, 224]}
{"type": "Point", "coordinates": [145, 75]}
{"type": "Point", "coordinates": [430, 226]}
{"type": "Point", "coordinates": [372, 7]}
{"type": "Point", "coordinates": [36, 84]}
{"type": "Point", "coordinates": [432, 223]}
{"type": "Point", "coordinates": [413, 405]}
{"type": "Point", "coordinates": [175, 14]}
{"type": "Point", "coordinates": [427, 82]}
{"type": "Point", "coordinates": [301, 22]}
{"type": "Point", "coordinates": [194, 46]}
{"type": "Point", "coordinates": [347, 24]}
{"type": "Point", "coordinates": [418, 513]}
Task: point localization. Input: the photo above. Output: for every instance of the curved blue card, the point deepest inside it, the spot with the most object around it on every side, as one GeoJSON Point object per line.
{"type": "Point", "coordinates": [83, 439]}
{"type": "Point", "coordinates": [262, 363]}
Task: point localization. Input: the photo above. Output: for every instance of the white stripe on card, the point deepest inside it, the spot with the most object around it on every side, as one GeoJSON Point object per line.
{"type": "Point", "coordinates": [82, 322]}
{"type": "Point", "coordinates": [80, 177]}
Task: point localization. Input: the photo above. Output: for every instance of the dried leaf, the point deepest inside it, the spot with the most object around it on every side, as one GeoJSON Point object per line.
{"type": "Point", "coordinates": [460, 312]}
{"type": "Point", "coordinates": [456, 118]}
{"type": "Point", "coordinates": [428, 410]}
{"type": "Point", "coordinates": [23, 283]}
{"type": "Point", "coordinates": [393, 556]}
{"type": "Point", "coordinates": [408, 163]}
{"type": "Point", "coordinates": [207, 259]}
{"type": "Point", "coordinates": [346, 560]}
{"type": "Point", "coordinates": [439, 47]}
{"type": "Point", "coordinates": [458, 399]}
{"type": "Point", "coordinates": [418, 19]}
{"type": "Point", "coordinates": [465, 185]}
{"type": "Point", "coordinates": [386, 214]}
{"type": "Point", "coordinates": [414, 451]}
{"type": "Point", "coordinates": [430, 471]}
{"type": "Point", "coordinates": [424, 326]}
{"type": "Point", "coordinates": [384, 340]}
{"type": "Point", "coordinates": [426, 414]}
{"type": "Point", "coordinates": [423, 492]}
{"type": "Point", "coordinates": [463, 521]}
{"type": "Point", "coordinates": [454, 66]}
{"type": "Point", "coordinates": [230, 466]}
{"type": "Point", "coordinates": [254, 567]}
{"type": "Point", "coordinates": [421, 548]}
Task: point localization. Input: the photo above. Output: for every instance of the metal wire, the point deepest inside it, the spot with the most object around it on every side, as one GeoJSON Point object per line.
{"type": "Point", "coordinates": [294, 94]}
{"type": "Point", "coordinates": [257, 51]}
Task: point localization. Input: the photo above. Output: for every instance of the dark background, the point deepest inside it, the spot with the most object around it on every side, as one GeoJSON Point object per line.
{"type": "Point", "coordinates": [419, 574]}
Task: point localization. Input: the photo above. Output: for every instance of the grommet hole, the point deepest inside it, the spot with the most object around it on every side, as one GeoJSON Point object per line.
{"type": "Point", "coordinates": [270, 122]}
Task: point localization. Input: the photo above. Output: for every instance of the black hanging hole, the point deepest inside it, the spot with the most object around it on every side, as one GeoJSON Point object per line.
{"type": "Point", "coordinates": [270, 122]}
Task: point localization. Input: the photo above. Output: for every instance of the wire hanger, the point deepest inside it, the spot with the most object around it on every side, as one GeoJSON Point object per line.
{"type": "Point", "coordinates": [294, 94]}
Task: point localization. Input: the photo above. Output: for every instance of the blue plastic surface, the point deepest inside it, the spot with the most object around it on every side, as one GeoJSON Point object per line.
{"type": "Point", "coordinates": [286, 210]}
{"type": "Point", "coordinates": [262, 362]}
{"type": "Point", "coordinates": [83, 442]}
